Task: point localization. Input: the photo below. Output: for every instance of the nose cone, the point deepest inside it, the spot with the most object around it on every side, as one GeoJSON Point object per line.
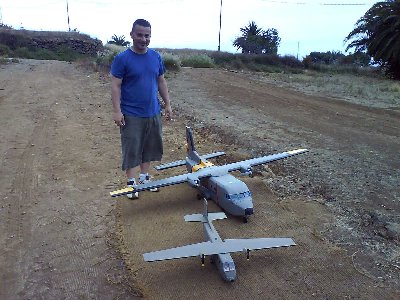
{"type": "Point", "coordinates": [230, 277]}
{"type": "Point", "coordinates": [248, 211]}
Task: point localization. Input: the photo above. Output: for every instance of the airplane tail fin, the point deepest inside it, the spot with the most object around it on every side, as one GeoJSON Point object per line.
{"type": "Point", "coordinates": [189, 140]}
{"type": "Point", "coordinates": [191, 154]}
{"type": "Point", "coordinates": [191, 149]}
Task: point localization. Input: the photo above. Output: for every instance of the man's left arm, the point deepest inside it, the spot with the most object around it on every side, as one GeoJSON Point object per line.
{"type": "Point", "coordinates": [163, 90]}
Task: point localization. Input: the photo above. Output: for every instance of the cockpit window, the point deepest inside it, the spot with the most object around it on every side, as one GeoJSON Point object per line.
{"type": "Point", "coordinates": [229, 266]}
{"type": "Point", "coordinates": [239, 196]}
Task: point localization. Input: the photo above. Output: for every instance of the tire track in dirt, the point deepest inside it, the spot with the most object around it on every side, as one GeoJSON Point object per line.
{"type": "Point", "coordinates": [23, 177]}
{"type": "Point", "coordinates": [57, 210]}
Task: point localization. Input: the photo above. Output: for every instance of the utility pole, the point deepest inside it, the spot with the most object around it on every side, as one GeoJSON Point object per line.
{"type": "Point", "coordinates": [69, 28]}
{"type": "Point", "coordinates": [220, 23]}
{"type": "Point", "coordinates": [298, 50]}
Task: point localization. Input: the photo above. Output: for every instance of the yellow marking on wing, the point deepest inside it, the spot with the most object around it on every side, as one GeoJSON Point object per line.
{"type": "Point", "coordinates": [201, 165]}
{"type": "Point", "coordinates": [296, 151]}
{"type": "Point", "coordinates": [125, 190]}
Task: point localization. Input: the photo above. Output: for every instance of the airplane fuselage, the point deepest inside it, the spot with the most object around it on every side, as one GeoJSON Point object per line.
{"type": "Point", "coordinates": [223, 261]}
{"type": "Point", "coordinates": [230, 193]}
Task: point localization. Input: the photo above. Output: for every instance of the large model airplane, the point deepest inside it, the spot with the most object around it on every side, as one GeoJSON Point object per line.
{"type": "Point", "coordinates": [213, 182]}
{"type": "Point", "coordinates": [216, 247]}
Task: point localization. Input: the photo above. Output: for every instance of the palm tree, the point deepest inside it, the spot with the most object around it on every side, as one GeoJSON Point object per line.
{"type": "Point", "coordinates": [119, 40]}
{"type": "Point", "coordinates": [378, 34]}
{"type": "Point", "coordinates": [255, 40]}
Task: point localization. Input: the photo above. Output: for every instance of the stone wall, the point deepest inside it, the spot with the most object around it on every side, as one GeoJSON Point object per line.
{"type": "Point", "coordinates": [50, 40]}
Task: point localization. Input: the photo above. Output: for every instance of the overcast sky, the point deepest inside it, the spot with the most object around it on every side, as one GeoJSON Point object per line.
{"type": "Point", "coordinates": [303, 25]}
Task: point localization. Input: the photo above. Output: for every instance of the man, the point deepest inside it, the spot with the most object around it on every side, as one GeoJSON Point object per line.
{"type": "Point", "coordinates": [137, 76]}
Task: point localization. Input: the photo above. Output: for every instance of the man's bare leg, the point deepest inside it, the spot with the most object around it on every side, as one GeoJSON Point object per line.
{"type": "Point", "coordinates": [145, 167]}
{"type": "Point", "coordinates": [133, 172]}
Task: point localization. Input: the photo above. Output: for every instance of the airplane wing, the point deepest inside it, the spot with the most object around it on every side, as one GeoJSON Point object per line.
{"type": "Point", "coordinates": [209, 248]}
{"type": "Point", "coordinates": [193, 178]}
{"type": "Point", "coordinates": [236, 245]}
{"type": "Point", "coordinates": [246, 164]}
{"type": "Point", "coordinates": [152, 184]}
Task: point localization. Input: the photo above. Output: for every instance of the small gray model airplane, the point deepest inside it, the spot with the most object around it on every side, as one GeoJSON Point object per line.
{"type": "Point", "coordinates": [213, 182]}
{"type": "Point", "coordinates": [216, 247]}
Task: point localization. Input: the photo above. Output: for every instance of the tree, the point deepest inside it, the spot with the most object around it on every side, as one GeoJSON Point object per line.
{"type": "Point", "coordinates": [256, 40]}
{"type": "Point", "coordinates": [119, 40]}
{"type": "Point", "coordinates": [378, 34]}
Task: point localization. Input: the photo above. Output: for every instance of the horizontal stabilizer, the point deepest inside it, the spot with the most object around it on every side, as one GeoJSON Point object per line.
{"type": "Point", "coordinates": [182, 162]}
{"type": "Point", "coordinates": [212, 155]}
{"type": "Point", "coordinates": [170, 165]}
{"type": "Point", "coordinates": [195, 218]}
{"type": "Point", "coordinates": [209, 248]}
{"type": "Point", "coordinates": [201, 218]}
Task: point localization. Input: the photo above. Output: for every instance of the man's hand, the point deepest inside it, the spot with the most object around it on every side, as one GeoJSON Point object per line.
{"type": "Point", "coordinates": [119, 118]}
{"type": "Point", "coordinates": [168, 112]}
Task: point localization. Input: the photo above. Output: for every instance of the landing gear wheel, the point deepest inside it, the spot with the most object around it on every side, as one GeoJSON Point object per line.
{"type": "Point", "coordinates": [245, 219]}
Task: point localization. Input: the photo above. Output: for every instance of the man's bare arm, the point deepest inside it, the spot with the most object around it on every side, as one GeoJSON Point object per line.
{"type": "Point", "coordinates": [116, 101]}
{"type": "Point", "coordinates": [163, 90]}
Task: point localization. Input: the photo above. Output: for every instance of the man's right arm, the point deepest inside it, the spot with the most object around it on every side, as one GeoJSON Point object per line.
{"type": "Point", "coordinates": [116, 100]}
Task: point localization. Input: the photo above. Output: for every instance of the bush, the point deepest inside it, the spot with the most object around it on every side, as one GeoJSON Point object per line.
{"type": "Point", "coordinates": [172, 62]}
{"type": "Point", "coordinates": [291, 61]}
{"type": "Point", "coordinates": [45, 54]}
{"type": "Point", "coordinates": [106, 60]}
{"type": "Point", "coordinates": [14, 41]}
{"type": "Point", "coordinates": [198, 61]}
{"type": "Point", "coordinates": [23, 53]}
{"type": "Point", "coordinates": [67, 54]}
{"type": "Point", "coordinates": [4, 50]}
{"type": "Point", "coordinates": [222, 58]}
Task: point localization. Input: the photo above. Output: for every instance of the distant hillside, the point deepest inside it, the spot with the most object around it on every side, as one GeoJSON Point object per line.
{"type": "Point", "coordinates": [50, 40]}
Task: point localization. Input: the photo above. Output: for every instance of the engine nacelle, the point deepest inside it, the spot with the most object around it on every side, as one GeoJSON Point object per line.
{"type": "Point", "coordinates": [193, 181]}
{"type": "Point", "coordinates": [246, 170]}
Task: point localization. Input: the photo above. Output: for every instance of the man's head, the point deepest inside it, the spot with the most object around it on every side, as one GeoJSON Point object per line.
{"type": "Point", "coordinates": [141, 34]}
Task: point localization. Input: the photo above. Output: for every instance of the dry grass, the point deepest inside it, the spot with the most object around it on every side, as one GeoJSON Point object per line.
{"type": "Point", "coordinates": [114, 48]}
{"type": "Point", "coordinates": [366, 90]}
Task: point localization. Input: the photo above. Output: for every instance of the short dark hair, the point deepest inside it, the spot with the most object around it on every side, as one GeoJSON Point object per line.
{"type": "Point", "coordinates": [141, 22]}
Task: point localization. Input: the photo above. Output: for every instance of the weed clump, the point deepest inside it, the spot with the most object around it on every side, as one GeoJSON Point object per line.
{"type": "Point", "coordinates": [198, 61]}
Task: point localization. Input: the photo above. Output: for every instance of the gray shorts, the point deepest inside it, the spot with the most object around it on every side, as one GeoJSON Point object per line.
{"type": "Point", "coordinates": [141, 141]}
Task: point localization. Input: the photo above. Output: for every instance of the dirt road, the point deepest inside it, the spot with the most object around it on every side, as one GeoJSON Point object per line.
{"type": "Point", "coordinates": [60, 231]}
{"type": "Point", "coordinates": [58, 160]}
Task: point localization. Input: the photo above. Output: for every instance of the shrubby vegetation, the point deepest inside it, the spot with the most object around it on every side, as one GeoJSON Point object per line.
{"type": "Point", "coordinates": [172, 62]}
{"type": "Point", "coordinates": [378, 34]}
{"type": "Point", "coordinates": [18, 44]}
{"type": "Point", "coordinates": [175, 59]}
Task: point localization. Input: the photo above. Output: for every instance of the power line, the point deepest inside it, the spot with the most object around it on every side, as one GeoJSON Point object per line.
{"type": "Point", "coordinates": [320, 3]}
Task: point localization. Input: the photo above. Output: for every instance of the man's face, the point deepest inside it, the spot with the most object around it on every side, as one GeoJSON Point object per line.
{"type": "Point", "coordinates": [141, 38]}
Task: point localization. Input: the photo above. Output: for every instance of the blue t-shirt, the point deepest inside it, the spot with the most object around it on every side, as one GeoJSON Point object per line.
{"type": "Point", "coordinates": [139, 74]}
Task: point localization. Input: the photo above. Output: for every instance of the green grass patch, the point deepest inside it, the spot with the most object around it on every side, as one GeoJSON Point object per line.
{"type": "Point", "coordinates": [171, 61]}
{"type": "Point", "coordinates": [198, 61]}
{"type": "Point", "coordinates": [61, 53]}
